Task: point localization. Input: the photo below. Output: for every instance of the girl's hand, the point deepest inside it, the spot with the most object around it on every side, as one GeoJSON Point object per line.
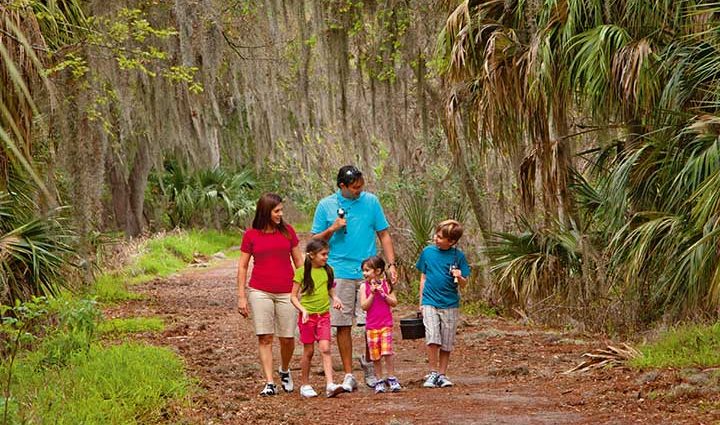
{"type": "Point", "coordinates": [337, 304]}
{"type": "Point", "coordinates": [305, 316]}
{"type": "Point", "coordinates": [243, 307]}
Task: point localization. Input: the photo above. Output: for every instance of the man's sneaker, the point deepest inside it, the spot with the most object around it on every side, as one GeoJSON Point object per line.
{"type": "Point", "coordinates": [380, 387]}
{"type": "Point", "coordinates": [394, 384]}
{"type": "Point", "coordinates": [270, 389]}
{"type": "Point", "coordinates": [334, 389]}
{"type": "Point", "coordinates": [368, 369]}
{"type": "Point", "coordinates": [443, 381]}
{"type": "Point", "coordinates": [306, 391]}
{"type": "Point", "coordinates": [286, 381]}
{"type": "Point", "coordinates": [349, 383]}
{"type": "Point", "coordinates": [431, 380]}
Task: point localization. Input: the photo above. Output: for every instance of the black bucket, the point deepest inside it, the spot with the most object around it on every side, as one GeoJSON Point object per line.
{"type": "Point", "coordinates": [412, 327]}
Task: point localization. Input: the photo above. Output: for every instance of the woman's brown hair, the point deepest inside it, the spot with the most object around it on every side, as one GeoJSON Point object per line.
{"type": "Point", "coordinates": [263, 214]}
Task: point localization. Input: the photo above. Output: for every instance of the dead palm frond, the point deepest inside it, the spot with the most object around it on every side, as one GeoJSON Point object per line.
{"type": "Point", "coordinates": [606, 357]}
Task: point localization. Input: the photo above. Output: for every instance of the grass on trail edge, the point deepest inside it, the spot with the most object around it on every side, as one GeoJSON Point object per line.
{"type": "Point", "coordinates": [131, 325]}
{"type": "Point", "coordinates": [128, 383]}
{"type": "Point", "coordinates": [161, 257]}
{"type": "Point", "coordinates": [686, 346]}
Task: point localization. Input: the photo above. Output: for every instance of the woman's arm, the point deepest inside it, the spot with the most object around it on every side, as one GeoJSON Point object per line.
{"type": "Point", "coordinates": [297, 257]}
{"type": "Point", "coordinates": [365, 300]}
{"type": "Point", "coordinates": [241, 282]}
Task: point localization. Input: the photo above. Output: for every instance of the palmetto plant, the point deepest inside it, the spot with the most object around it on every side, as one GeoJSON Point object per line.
{"type": "Point", "coordinates": [643, 76]}
{"type": "Point", "coordinates": [34, 250]}
{"type": "Point", "coordinates": [217, 196]}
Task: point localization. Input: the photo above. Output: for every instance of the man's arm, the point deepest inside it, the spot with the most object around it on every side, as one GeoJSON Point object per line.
{"type": "Point", "coordinates": [388, 252]}
{"type": "Point", "coordinates": [319, 223]}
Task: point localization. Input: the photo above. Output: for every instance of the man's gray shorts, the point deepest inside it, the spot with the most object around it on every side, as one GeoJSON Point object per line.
{"type": "Point", "coordinates": [348, 290]}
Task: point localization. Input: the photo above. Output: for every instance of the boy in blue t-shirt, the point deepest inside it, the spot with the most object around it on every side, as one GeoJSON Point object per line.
{"type": "Point", "coordinates": [444, 270]}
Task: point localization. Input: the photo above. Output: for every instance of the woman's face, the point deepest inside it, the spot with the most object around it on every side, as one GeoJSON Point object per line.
{"type": "Point", "coordinates": [276, 214]}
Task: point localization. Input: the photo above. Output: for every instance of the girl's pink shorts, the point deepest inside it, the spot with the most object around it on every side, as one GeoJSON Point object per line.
{"type": "Point", "coordinates": [317, 328]}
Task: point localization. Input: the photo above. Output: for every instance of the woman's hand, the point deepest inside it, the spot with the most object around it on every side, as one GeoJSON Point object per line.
{"type": "Point", "coordinates": [243, 307]}
{"type": "Point", "coordinates": [337, 304]}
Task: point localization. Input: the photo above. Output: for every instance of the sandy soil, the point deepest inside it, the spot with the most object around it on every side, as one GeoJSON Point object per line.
{"type": "Point", "coordinates": [504, 373]}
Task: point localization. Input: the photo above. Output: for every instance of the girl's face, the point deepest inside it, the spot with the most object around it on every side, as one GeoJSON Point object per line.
{"type": "Point", "coordinates": [319, 258]}
{"type": "Point", "coordinates": [370, 273]}
{"type": "Point", "coordinates": [276, 214]}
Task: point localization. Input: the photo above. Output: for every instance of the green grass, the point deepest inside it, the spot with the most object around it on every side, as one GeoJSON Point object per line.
{"type": "Point", "coordinates": [687, 346]}
{"type": "Point", "coordinates": [123, 384]}
{"type": "Point", "coordinates": [162, 257]}
{"type": "Point", "coordinates": [477, 308]}
{"type": "Point", "coordinates": [131, 325]}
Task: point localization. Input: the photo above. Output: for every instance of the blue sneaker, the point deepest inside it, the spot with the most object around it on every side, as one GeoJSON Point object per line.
{"type": "Point", "coordinates": [380, 387]}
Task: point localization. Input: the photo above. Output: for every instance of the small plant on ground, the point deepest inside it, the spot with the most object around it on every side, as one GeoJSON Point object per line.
{"type": "Point", "coordinates": [686, 346]}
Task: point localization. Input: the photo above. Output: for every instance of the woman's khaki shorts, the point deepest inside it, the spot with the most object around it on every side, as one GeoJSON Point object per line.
{"type": "Point", "coordinates": [272, 313]}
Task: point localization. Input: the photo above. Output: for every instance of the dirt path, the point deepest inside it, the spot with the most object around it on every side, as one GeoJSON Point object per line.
{"type": "Point", "coordinates": [504, 373]}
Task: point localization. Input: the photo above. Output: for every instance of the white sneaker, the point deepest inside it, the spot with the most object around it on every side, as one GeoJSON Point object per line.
{"type": "Point", "coordinates": [349, 383]}
{"type": "Point", "coordinates": [286, 381]}
{"type": "Point", "coordinates": [368, 369]}
{"type": "Point", "coordinates": [306, 391]}
{"type": "Point", "coordinates": [334, 389]}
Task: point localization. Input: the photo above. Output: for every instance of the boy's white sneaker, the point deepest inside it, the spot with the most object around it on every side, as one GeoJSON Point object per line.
{"type": "Point", "coordinates": [443, 381]}
{"type": "Point", "coordinates": [333, 389]}
{"type": "Point", "coordinates": [431, 380]}
{"type": "Point", "coordinates": [306, 391]}
{"type": "Point", "coordinates": [286, 380]}
{"type": "Point", "coordinates": [349, 383]}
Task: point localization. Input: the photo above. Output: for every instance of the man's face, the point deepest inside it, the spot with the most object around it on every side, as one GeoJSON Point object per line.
{"type": "Point", "coordinates": [353, 190]}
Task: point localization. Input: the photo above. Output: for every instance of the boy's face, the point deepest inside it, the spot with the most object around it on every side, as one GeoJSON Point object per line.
{"type": "Point", "coordinates": [442, 242]}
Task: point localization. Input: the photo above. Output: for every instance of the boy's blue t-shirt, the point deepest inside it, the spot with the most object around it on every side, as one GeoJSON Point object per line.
{"type": "Point", "coordinates": [440, 291]}
{"type": "Point", "coordinates": [365, 217]}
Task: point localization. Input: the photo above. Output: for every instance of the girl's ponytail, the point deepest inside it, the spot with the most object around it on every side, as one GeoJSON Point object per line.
{"type": "Point", "coordinates": [330, 275]}
{"type": "Point", "coordinates": [308, 286]}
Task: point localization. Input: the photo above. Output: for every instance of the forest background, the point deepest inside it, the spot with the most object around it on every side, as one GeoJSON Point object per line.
{"type": "Point", "coordinates": [578, 140]}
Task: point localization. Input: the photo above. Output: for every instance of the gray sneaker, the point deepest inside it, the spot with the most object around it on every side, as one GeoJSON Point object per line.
{"type": "Point", "coordinates": [368, 369]}
{"type": "Point", "coordinates": [380, 387]}
{"type": "Point", "coordinates": [431, 380]}
{"type": "Point", "coordinates": [443, 381]}
{"type": "Point", "coordinates": [333, 389]}
{"type": "Point", "coordinates": [286, 380]}
{"type": "Point", "coordinates": [349, 383]}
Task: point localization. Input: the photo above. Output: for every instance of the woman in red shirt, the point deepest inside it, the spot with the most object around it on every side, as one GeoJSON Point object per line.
{"type": "Point", "coordinates": [271, 243]}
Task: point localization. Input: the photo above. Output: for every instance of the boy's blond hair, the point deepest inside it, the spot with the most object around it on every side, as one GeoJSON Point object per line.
{"type": "Point", "coordinates": [450, 229]}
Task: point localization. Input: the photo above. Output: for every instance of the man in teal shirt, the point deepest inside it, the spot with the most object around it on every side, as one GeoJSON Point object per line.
{"type": "Point", "coordinates": [350, 220]}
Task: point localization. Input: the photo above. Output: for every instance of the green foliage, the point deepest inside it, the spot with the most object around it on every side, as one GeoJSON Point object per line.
{"type": "Point", "coordinates": [477, 308]}
{"type": "Point", "coordinates": [160, 257]}
{"type": "Point", "coordinates": [112, 288]}
{"type": "Point", "coordinates": [218, 197]}
{"type": "Point", "coordinates": [131, 325]}
{"type": "Point", "coordinates": [128, 383]}
{"type": "Point", "coordinates": [685, 346]}
{"type": "Point", "coordinates": [35, 251]}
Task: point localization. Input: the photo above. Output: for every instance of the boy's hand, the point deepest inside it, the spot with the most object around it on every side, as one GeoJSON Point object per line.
{"type": "Point", "coordinates": [456, 272]}
{"type": "Point", "coordinates": [337, 304]}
